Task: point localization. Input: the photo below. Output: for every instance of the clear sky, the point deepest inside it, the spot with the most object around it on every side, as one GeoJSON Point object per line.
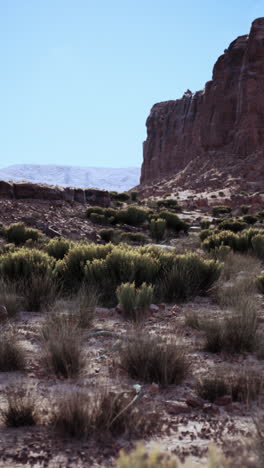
{"type": "Point", "coordinates": [78, 77]}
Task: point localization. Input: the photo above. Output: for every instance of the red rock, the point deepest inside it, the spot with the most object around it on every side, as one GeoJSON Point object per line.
{"type": "Point", "coordinates": [119, 309]}
{"type": "Point", "coordinates": [195, 402]}
{"type": "Point", "coordinates": [216, 132]}
{"type": "Point", "coordinates": [223, 400]}
{"type": "Point", "coordinates": [177, 407]}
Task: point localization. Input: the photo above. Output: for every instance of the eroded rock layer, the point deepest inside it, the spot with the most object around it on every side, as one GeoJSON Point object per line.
{"type": "Point", "coordinates": [221, 126]}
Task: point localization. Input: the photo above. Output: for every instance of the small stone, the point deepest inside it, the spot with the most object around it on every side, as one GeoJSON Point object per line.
{"type": "Point", "coordinates": [223, 400]}
{"type": "Point", "coordinates": [195, 402]}
{"type": "Point", "coordinates": [153, 308]}
{"type": "Point", "coordinates": [162, 306]}
{"type": "Point", "coordinates": [177, 407]}
{"type": "Point", "coordinates": [119, 309]}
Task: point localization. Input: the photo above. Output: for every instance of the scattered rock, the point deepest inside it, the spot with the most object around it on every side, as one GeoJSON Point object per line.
{"type": "Point", "coordinates": [153, 308]}
{"type": "Point", "coordinates": [177, 407]}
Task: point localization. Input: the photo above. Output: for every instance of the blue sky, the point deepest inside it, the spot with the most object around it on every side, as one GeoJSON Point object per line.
{"type": "Point", "coordinates": [78, 77]}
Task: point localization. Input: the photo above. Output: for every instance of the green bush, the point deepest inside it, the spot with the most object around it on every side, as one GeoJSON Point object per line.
{"type": "Point", "coordinates": [190, 275]}
{"type": "Point", "coordinates": [98, 218]}
{"type": "Point", "coordinates": [94, 209]}
{"type": "Point", "coordinates": [258, 245]}
{"type": "Point", "coordinates": [169, 203]}
{"type": "Point", "coordinates": [174, 222]}
{"type": "Point", "coordinates": [107, 235]}
{"type": "Point", "coordinates": [135, 301]}
{"type": "Point", "coordinates": [157, 228]}
{"type": "Point", "coordinates": [244, 209]}
{"type": "Point", "coordinates": [231, 225]}
{"type": "Point", "coordinates": [250, 219]}
{"type": "Point", "coordinates": [18, 233]}
{"type": "Point", "coordinates": [119, 196]}
{"type": "Point", "coordinates": [220, 210]}
{"type": "Point", "coordinates": [58, 248]}
{"type": "Point", "coordinates": [134, 196]}
{"type": "Point", "coordinates": [71, 269]}
{"type": "Point", "coordinates": [141, 458]}
{"type": "Point", "coordinates": [25, 263]}
{"type": "Point", "coordinates": [132, 215]}
{"type": "Point", "coordinates": [205, 224]}
{"type": "Point", "coordinates": [206, 233]}
{"type": "Point", "coordinates": [134, 237]}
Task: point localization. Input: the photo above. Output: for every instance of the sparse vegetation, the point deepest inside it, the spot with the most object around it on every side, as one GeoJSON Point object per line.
{"type": "Point", "coordinates": [12, 357]}
{"type": "Point", "coordinates": [135, 301]}
{"type": "Point", "coordinates": [18, 233]}
{"type": "Point", "coordinates": [21, 407]}
{"type": "Point", "coordinates": [152, 359]}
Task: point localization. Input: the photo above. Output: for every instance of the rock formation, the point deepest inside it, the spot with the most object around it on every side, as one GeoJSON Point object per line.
{"type": "Point", "coordinates": [27, 190]}
{"type": "Point", "coordinates": [220, 128]}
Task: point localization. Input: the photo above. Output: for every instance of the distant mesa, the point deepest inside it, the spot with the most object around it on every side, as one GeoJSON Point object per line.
{"type": "Point", "coordinates": [119, 179]}
{"type": "Point", "coordinates": [215, 136]}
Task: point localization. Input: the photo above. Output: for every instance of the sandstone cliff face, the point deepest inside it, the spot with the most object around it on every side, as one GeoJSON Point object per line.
{"type": "Point", "coordinates": [222, 125]}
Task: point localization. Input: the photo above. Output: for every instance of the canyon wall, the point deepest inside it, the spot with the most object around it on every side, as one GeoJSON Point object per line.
{"type": "Point", "coordinates": [222, 125]}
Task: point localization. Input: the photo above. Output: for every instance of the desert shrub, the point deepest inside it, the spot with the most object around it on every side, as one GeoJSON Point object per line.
{"type": "Point", "coordinates": [12, 356]}
{"type": "Point", "coordinates": [258, 245]}
{"type": "Point", "coordinates": [205, 224]}
{"type": "Point", "coordinates": [134, 196]}
{"type": "Point", "coordinates": [73, 266]}
{"type": "Point", "coordinates": [231, 225]}
{"type": "Point", "coordinates": [250, 219]}
{"type": "Point", "coordinates": [94, 209]}
{"type": "Point", "coordinates": [152, 359]}
{"type": "Point", "coordinates": [21, 407]}
{"type": "Point", "coordinates": [190, 275]}
{"type": "Point", "coordinates": [18, 233]}
{"type": "Point", "coordinates": [119, 196]}
{"type": "Point", "coordinates": [169, 203]}
{"type": "Point", "coordinates": [192, 320]}
{"type": "Point", "coordinates": [242, 385]}
{"type": "Point", "coordinates": [58, 248]}
{"type": "Point", "coordinates": [107, 235]}
{"type": "Point", "coordinates": [221, 253]}
{"type": "Point", "coordinates": [134, 237]}
{"type": "Point", "coordinates": [141, 458]}
{"type": "Point", "coordinates": [157, 228]}
{"type": "Point", "coordinates": [81, 416]}
{"type": "Point", "coordinates": [132, 215]}
{"type": "Point", "coordinates": [62, 346]}
{"type": "Point", "coordinates": [24, 263]}
{"type": "Point", "coordinates": [98, 218]}
{"type": "Point", "coordinates": [236, 332]}
{"type": "Point", "coordinates": [244, 209]}
{"type": "Point", "coordinates": [38, 292]}
{"type": "Point", "coordinates": [10, 298]}
{"type": "Point", "coordinates": [220, 210]}
{"type": "Point", "coordinates": [174, 222]}
{"type": "Point", "coordinates": [123, 265]}
{"type": "Point", "coordinates": [260, 215]}
{"type": "Point", "coordinates": [206, 233]}
{"type": "Point", "coordinates": [260, 283]}
{"type": "Point", "coordinates": [135, 301]}
{"type": "Point", "coordinates": [223, 238]}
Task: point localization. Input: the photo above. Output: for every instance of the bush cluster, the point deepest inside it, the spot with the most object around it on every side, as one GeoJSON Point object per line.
{"type": "Point", "coordinates": [18, 233]}
{"type": "Point", "coordinates": [221, 210]}
{"type": "Point", "coordinates": [240, 242]}
{"type": "Point", "coordinates": [169, 203]}
{"type": "Point", "coordinates": [134, 300]}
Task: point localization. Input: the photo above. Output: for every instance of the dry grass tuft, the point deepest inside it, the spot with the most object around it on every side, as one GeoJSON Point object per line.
{"type": "Point", "coordinates": [21, 407]}
{"type": "Point", "coordinates": [10, 298]}
{"type": "Point", "coordinates": [81, 416]}
{"type": "Point", "coordinates": [152, 359]}
{"type": "Point", "coordinates": [244, 385]}
{"type": "Point", "coordinates": [12, 356]}
{"type": "Point", "coordinates": [62, 344]}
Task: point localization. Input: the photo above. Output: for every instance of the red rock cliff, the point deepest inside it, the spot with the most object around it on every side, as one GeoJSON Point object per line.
{"type": "Point", "coordinates": [224, 122]}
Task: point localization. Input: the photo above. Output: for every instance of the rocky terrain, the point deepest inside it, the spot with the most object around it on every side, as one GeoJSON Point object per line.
{"type": "Point", "coordinates": [214, 138]}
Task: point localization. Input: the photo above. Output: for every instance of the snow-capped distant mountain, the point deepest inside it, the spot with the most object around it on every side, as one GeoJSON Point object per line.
{"type": "Point", "coordinates": [90, 177]}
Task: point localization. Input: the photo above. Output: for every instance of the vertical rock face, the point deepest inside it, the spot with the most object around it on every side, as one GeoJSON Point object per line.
{"type": "Point", "coordinates": [225, 120]}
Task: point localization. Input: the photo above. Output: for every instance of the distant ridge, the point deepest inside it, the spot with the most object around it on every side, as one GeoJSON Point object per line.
{"type": "Point", "coordinates": [119, 179]}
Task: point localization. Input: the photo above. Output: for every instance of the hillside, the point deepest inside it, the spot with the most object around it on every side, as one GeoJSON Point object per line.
{"type": "Point", "coordinates": [106, 178]}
